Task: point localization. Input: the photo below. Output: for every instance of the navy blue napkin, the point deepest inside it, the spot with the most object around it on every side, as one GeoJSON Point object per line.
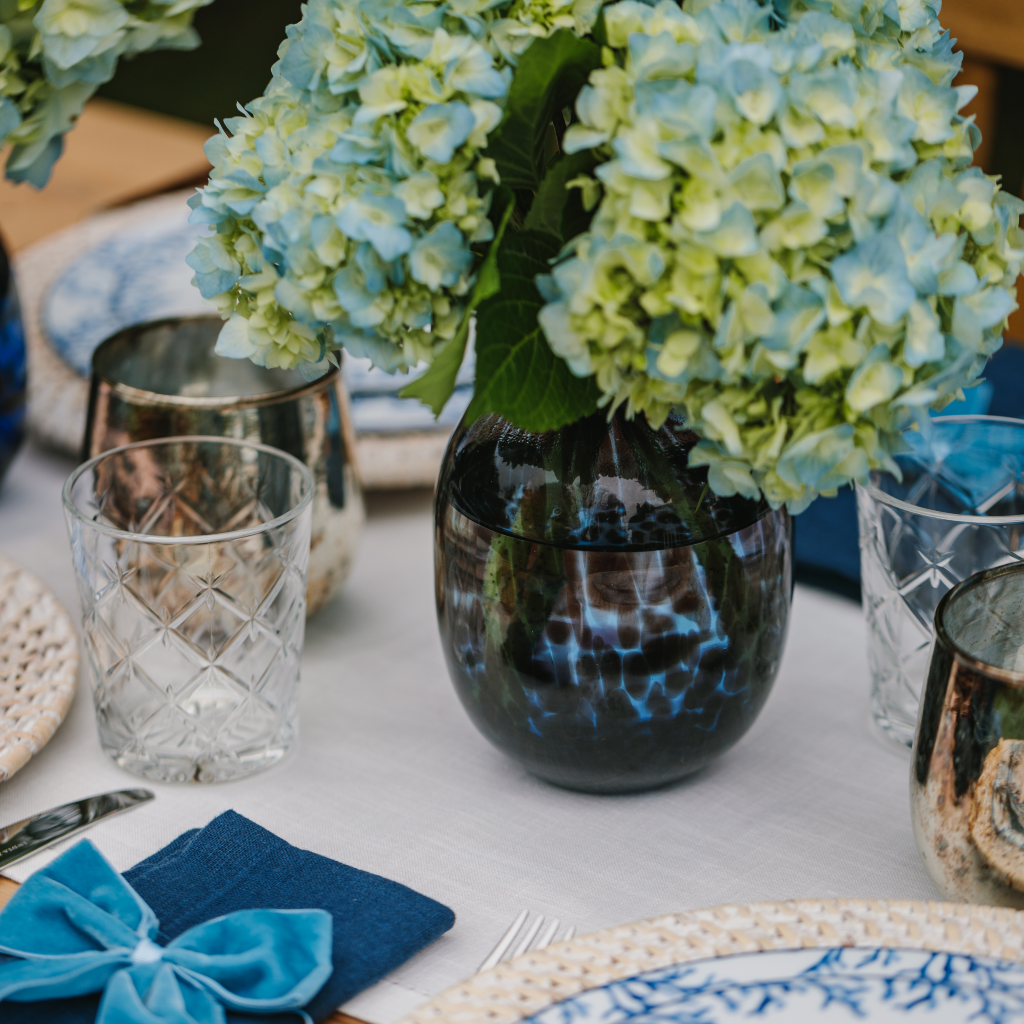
{"type": "Point", "coordinates": [234, 864]}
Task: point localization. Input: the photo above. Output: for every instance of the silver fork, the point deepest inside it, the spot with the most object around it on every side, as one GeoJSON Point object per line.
{"type": "Point", "coordinates": [529, 936]}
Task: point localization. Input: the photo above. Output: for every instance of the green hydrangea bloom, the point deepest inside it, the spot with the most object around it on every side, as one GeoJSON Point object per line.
{"type": "Point", "coordinates": [787, 238]}
{"type": "Point", "coordinates": [55, 54]}
{"type": "Point", "coordinates": [789, 241]}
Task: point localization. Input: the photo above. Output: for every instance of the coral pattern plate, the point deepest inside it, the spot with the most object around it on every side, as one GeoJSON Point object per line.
{"type": "Point", "coordinates": [804, 961]}
{"type": "Point", "coordinates": [809, 985]}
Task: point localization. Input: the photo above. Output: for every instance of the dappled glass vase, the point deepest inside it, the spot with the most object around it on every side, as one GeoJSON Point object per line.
{"type": "Point", "coordinates": [12, 367]}
{"type": "Point", "coordinates": [607, 620]}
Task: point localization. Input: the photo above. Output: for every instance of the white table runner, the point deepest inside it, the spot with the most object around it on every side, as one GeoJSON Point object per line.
{"type": "Point", "coordinates": [391, 777]}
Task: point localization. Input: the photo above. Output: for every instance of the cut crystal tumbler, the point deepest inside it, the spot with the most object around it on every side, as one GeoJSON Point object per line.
{"type": "Point", "coordinates": [191, 556]}
{"type": "Point", "coordinates": [958, 509]}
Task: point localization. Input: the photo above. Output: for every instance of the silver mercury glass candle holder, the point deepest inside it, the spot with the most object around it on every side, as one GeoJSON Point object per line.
{"type": "Point", "coordinates": [967, 779]}
{"type": "Point", "coordinates": [163, 379]}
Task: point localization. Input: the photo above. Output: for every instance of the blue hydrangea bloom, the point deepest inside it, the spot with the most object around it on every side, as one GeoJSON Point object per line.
{"type": "Point", "coordinates": [216, 269]}
{"type": "Point", "coordinates": [378, 220]}
{"type": "Point", "coordinates": [440, 129]}
{"type": "Point", "coordinates": [788, 240]}
{"type": "Point", "coordinates": [364, 153]}
{"type": "Point", "coordinates": [873, 275]}
{"type": "Point", "coordinates": [440, 257]}
{"type": "Point", "coordinates": [55, 54]}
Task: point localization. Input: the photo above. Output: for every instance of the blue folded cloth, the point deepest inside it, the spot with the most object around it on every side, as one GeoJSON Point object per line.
{"type": "Point", "coordinates": [234, 864]}
{"type": "Point", "coordinates": [77, 927]}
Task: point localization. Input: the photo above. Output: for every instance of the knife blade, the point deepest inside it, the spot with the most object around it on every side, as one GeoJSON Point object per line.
{"type": "Point", "coordinates": [31, 835]}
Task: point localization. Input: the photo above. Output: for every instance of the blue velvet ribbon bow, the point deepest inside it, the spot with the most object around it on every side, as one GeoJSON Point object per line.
{"type": "Point", "coordinates": [78, 927]}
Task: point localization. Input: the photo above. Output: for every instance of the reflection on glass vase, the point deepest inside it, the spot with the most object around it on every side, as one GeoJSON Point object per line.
{"type": "Point", "coordinates": [607, 620]}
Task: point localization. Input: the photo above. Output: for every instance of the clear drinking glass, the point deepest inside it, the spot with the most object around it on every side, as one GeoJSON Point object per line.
{"type": "Point", "coordinates": [191, 556]}
{"type": "Point", "coordinates": [959, 509]}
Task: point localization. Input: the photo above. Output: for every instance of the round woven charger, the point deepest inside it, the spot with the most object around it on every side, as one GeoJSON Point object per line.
{"type": "Point", "coordinates": [534, 981]}
{"type": "Point", "coordinates": [38, 666]}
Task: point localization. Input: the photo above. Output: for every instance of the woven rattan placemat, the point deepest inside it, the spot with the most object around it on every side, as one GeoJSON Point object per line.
{"type": "Point", "coordinates": [532, 982]}
{"type": "Point", "coordinates": [38, 666]}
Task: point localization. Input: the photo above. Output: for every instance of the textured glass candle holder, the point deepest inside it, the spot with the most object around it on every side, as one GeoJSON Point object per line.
{"type": "Point", "coordinates": [191, 556]}
{"type": "Point", "coordinates": [607, 620]}
{"type": "Point", "coordinates": [959, 509]}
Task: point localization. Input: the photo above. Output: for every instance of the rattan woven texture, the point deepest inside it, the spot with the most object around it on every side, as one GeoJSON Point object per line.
{"type": "Point", "coordinates": [38, 666]}
{"type": "Point", "coordinates": [534, 981]}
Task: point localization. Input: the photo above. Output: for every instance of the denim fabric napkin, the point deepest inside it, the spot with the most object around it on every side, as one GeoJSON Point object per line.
{"type": "Point", "coordinates": [234, 864]}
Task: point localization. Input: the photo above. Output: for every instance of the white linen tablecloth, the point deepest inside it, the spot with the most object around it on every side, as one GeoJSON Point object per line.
{"type": "Point", "coordinates": [390, 776]}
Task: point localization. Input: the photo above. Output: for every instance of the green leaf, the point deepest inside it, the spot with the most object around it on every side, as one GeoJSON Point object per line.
{"type": "Point", "coordinates": [517, 375]}
{"type": "Point", "coordinates": [548, 78]}
{"type": "Point", "coordinates": [435, 387]}
{"type": "Point", "coordinates": [556, 209]}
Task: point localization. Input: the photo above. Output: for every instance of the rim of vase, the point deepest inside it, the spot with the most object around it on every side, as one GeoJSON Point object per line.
{"type": "Point", "coordinates": [143, 396]}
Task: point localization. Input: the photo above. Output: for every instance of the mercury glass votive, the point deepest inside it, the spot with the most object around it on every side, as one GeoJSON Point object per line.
{"type": "Point", "coordinates": [191, 556]}
{"type": "Point", "coordinates": [967, 780]}
{"type": "Point", "coordinates": [164, 379]}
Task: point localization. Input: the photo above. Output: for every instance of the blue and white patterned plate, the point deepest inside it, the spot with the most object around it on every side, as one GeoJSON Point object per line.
{"type": "Point", "coordinates": [808, 985]}
{"type": "Point", "coordinates": [140, 274]}
{"type": "Point", "coordinates": [824, 961]}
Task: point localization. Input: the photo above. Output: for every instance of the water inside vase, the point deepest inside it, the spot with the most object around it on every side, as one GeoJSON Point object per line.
{"type": "Point", "coordinates": [599, 484]}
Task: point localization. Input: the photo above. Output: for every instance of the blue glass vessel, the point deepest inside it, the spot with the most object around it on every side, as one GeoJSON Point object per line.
{"type": "Point", "coordinates": [12, 367]}
{"type": "Point", "coordinates": [607, 620]}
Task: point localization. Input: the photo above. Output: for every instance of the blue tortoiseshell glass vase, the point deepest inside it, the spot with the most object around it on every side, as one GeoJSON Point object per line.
{"type": "Point", "coordinates": [12, 367]}
{"type": "Point", "coordinates": [607, 620]}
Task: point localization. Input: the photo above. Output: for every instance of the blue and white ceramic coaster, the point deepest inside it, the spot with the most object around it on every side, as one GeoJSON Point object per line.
{"type": "Point", "coordinates": [140, 274]}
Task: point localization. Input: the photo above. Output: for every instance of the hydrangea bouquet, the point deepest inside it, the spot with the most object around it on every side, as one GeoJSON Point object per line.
{"type": "Point", "coordinates": [55, 54]}
{"type": "Point", "coordinates": [761, 213]}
